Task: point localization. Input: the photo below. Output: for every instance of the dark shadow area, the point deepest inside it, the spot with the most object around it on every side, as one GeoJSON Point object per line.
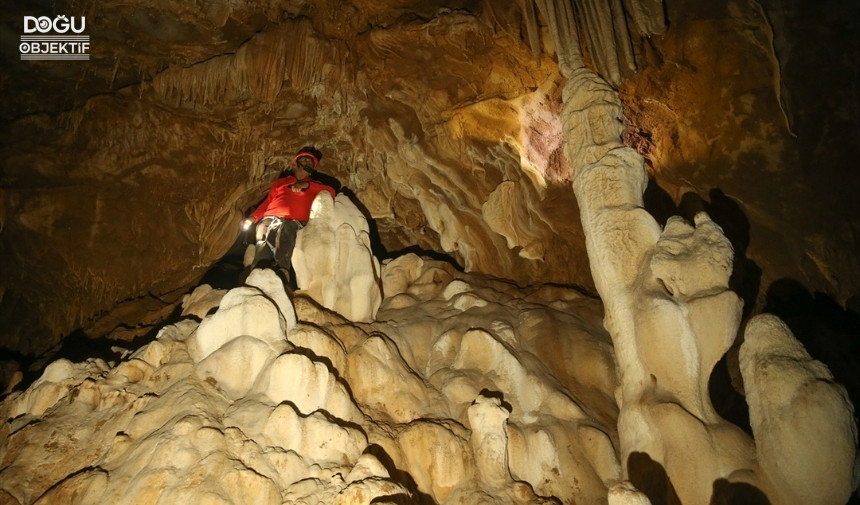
{"type": "Point", "coordinates": [78, 347]}
{"type": "Point", "coordinates": [380, 251]}
{"type": "Point", "coordinates": [225, 273]}
{"type": "Point", "coordinates": [401, 477]}
{"type": "Point", "coordinates": [658, 203]}
{"type": "Point", "coordinates": [727, 401]}
{"type": "Point", "coordinates": [396, 499]}
{"type": "Point", "coordinates": [829, 333]}
{"type": "Point", "coordinates": [330, 418]}
{"type": "Point", "coordinates": [650, 478]}
{"type": "Point", "coordinates": [499, 396]}
{"type": "Point", "coordinates": [328, 180]}
{"type": "Point", "coordinates": [425, 253]}
{"type": "Point", "coordinates": [737, 493]}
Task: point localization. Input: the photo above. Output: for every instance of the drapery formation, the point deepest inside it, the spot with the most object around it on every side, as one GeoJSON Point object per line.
{"type": "Point", "coordinates": [602, 27]}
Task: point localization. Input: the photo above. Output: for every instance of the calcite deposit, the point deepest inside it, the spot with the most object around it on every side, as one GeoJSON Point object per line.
{"type": "Point", "coordinates": [333, 260]}
{"type": "Point", "coordinates": [456, 389]}
{"type": "Point", "coordinates": [672, 317]}
{"type": "Point", "coordinates": [274, 399]}
{"type": "Point", "coordinates": [542, 281]}
{"type": "Point", "coordinates": [124, 177]}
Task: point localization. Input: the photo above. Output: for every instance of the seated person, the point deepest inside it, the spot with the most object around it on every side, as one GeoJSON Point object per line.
{"type": "Point", "coordinates": [286, 209]}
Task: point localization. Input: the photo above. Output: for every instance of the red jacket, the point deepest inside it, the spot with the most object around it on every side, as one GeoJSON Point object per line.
{"type": "Point", "coordinates": [283, 202]}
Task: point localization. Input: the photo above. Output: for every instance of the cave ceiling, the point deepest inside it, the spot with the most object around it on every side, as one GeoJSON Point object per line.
{"type": "Point", "coordinates": [124, 177]}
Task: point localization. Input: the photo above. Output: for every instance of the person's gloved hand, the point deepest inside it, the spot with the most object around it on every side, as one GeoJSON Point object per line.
{"type": "Point", "coordinates": [247, 223]}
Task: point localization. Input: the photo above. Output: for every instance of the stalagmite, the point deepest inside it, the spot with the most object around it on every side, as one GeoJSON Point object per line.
{"type": "Point", "coordinates": [672, 317]}
{"type": "Point", "coordinates": [408, 380]}
{"type": "Point", "coordinates": [803, 422]}
{"type": "Point", "coordinates": [333, 261]}
{"type": "Point", "coordinates": [489, 441]}
{"type": "Point", "coordinates": [443, 398]}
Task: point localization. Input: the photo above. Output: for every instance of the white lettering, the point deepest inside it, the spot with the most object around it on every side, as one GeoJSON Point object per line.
{"type": "Point", "coordinates": [54, 46]}
{"type": "Point", "coordinates": [30, 24]}
{"type": "Point", "coordinates": [44, 24]}
{"type": "Point", "coordinates": [61, 24]}
{"type": "Point", "coordinates": [83, 24]}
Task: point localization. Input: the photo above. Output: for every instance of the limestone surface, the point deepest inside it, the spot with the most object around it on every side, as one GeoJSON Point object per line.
{"type": "Point", "coordinates": [333, 260]}
{"type": "Point", "coordinates": [672, 317]}
{"type": "Point", "coordinates": [461, 391]}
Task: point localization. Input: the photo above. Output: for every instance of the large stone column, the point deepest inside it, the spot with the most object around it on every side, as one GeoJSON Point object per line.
{"type": "Point", "coordinates": [672, 317]}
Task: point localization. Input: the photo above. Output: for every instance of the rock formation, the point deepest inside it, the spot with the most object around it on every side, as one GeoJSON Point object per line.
{"type": "Point", "coordinates": [443, 119]}
{"type": "Point", "coordinates": [333, 259]}
{"type": "Point", "coordinates": [462, 389]}
{"type": "Point", "coordinates": [461, 130]}
{"type": "Point", "coordinates": [672, 317]}
{"type": "Point", "coordinates": [507, 399]}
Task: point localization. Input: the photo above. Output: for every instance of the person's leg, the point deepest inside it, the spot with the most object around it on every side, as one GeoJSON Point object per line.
{"type": "Point", "coordinates": [286, 243]}
{"type": "Point", "coordinates": [263, 255]}
{"type": "Point", "coordinates": [262, 250]}
{"type": "Point", "coordinates": [284, 251]}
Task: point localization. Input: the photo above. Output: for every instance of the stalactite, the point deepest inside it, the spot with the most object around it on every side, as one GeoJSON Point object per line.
{"type": "Point", "coordinates": [645, 17]}
{"type": "Point", "coordinates": [532, 28]}
{"type": "Point", "coordinates": [562, 27]}
{"type": "Point", "coordinates": [260, 64]}
{"type": "Point", "coordinates": [203, 83]}
{"type": "Point", "coordinates": [605, 27]}
{"type": "Point", "coordinates": [114, 71]}
{"type": "Point", "coordinates": [623, 44]}
{"type": "Point", "coordinates": [598, 23]}
{"type": "Point", "coordinates": [307, 55]}
{"type": "Point", "coordinates": [72, 119]}
{"type": "Point", "coordinates": [258, 69]}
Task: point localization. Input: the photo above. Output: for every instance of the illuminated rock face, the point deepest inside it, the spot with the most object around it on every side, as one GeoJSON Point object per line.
{"type": "Point", "coordinates": [441, 398]}
{"type": "Point", "coordinates": [463, 157]}
{"type": "Point", "coordinates": [457, 136]}
{"type": "Point", "coordinates": [333, 260]}
{"type": "Point", "coordinates": [447, 130]}
{"type": "Point", "coordinates": [672, 317]}
{"type": "Point", "coordinates": [464, 388]}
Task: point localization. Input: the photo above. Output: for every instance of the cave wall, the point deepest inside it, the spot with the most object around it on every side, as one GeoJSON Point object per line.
{"type": "Point", "coordinates": [766, 152]}
{"type": "Point", "coordinates": [176, 159]}
{"type": "Point", "coordinates": [124, 178]}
